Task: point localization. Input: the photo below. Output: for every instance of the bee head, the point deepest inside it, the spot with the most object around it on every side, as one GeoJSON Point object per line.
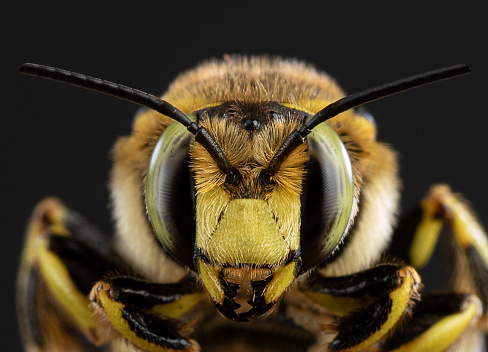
{"type": "Point", "coordinates": [248, 239]}
{"type": "Point", "coordinates": [248, 195]}
{"type": "Point", "coordinates": [273, 195]}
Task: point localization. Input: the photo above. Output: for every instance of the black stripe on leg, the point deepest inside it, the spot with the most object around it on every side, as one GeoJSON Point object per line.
{"type": "Point", "coordinates": [161, 332]}
{"type": "Point", "coordinates": [431, 309]}
{"type": "Point", "coordinates": [479, 272]}
{"type": "Point", "coordinates": [85, 265]}
{"type": "Point", "coordinates": [142, 294]}
{"type": "Point", "coordinates": [360, 325]}
{"type": "Point", "coordinates": [30, 309]}
{"type": "Point", "coordinates": [86, 232]}
{"type": "Point", "coordinates": [375, 281]}
{"type": "Point", "coordinates": [404, 233]}
{"type": "Point", "coordinates": [38, 310]}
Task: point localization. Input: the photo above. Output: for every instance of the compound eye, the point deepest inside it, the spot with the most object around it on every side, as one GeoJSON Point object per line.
{"type": "Point", "coordinates": [327, 196]}
{"type": "Point", "coordinates": [170, 194]}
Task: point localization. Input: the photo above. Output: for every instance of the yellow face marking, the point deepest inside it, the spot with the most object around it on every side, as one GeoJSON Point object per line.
{"type": "Point", "coordinates": [208, 207]}
{"type": "Point", "coordinates": [249, 234]}
{"type": "Point", "coordinates": [281, 281]}
{"type": "Point", "coordinates": [249, 223]}
{"type": "Point", "coordinates": [443, 333]}
{"type": "Point", "coordinates": [59, 282]}
{"type": "Point", "coordinates": [210, 278]}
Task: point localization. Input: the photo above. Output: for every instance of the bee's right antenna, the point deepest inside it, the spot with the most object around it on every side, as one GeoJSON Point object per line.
{"type": "Point", "coordinates": [140, 98]}
{"type": "Point", "coordinates": [354, 100]}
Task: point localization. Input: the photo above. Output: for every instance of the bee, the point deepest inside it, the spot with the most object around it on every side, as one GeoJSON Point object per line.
{"type": "Point", "coordinates": [255, 210]}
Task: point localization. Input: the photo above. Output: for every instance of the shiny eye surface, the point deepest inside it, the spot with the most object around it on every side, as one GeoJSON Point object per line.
{"type": "Point", "coordinates": [170, 194]}
{"type": "Point", "coordinates": [327, 198]}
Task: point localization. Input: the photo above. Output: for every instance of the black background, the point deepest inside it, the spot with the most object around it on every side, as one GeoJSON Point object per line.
{"type": "Point", "coordinates": [55, 139]}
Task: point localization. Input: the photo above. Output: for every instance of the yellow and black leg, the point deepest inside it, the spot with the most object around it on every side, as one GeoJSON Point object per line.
{"type": "Point", "coordinates": [444, 216]}
{"type": "Point", "coordinates": [146, 314]}
{"type": "Point", "coordinates": [57, 271]}
{"type": "Point", "coordinates": [368, 304]}
{"type": "Point", "coordinates": [437, 321]}
{"type": "Point", "coordinates": [64, 260]}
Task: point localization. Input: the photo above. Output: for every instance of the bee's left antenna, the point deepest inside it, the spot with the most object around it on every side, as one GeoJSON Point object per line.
{"type": "Point", "coordinates": [138, 97]}
{"type": "Point", "coordinates": [109, 88]}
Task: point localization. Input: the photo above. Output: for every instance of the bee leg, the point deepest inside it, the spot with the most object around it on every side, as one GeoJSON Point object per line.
{"type": "Point", "coordinates": [437, 322]}
{"type": "Point", "coordinates": [444, 216]}
{"type": "Point", "coordinates": [146, 313]}
{"type": "Point", "coordinates": [57, 272]}
{"type": "Point", "coordinates": [377, 299]}
{"type": "Point", "coordinates": [444, 213]}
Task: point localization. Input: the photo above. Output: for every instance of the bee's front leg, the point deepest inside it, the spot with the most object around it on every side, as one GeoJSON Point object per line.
{"type": "Point", "coordinates": [145, 313]}
{"type": "Point", "coordinates": [437, 321]}
{"type": "Point", "coordinates": [368, 304]}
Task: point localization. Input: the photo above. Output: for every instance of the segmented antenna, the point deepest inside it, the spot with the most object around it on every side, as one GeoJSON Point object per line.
{"type": "Point", "coordinates": [297, 137]}
{"type": "Point", "coordinates": [140, 98]}
{"type": "Point", "coordinates": [109, 88]}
